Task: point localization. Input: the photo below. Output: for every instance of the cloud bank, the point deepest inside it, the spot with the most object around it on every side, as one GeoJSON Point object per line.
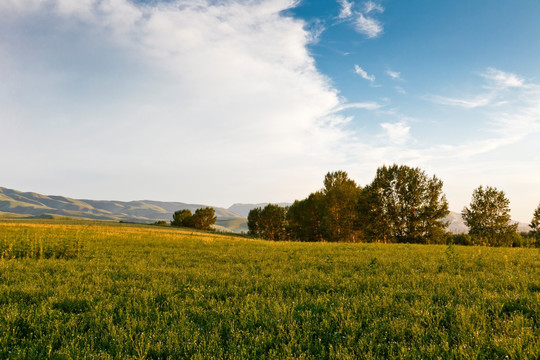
{"type": "Point", "coordinates": [171, 96]}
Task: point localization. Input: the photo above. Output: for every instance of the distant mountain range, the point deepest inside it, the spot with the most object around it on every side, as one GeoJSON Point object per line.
{"type": "Point", "coordinates": [32, 205]}
{"type": "Point", "coordinates": [19, 204]}
{"type": "Point", "coordinates": [456, 224]}
{"type": "Point", "coordinates": [243, 209]}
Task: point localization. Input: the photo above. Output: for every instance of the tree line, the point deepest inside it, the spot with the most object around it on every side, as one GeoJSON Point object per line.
{"type": "Point", "coordinates": [401, 205]}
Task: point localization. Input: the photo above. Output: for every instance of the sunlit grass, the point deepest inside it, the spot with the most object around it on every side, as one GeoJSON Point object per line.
{"type": "Point", "coordinates": [107, 291]}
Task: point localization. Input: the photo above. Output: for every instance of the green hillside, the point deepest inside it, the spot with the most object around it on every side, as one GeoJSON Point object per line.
{"type": "Point", "coordinates": [15, 203]}
{"type": "Point", "coordinates": [236, 225]}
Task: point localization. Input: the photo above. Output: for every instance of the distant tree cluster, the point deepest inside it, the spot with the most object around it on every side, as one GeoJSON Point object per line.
{"type": "Point", "coordinates": [202, 219]}
{"type": "Point", "coordinates": [160, 223]}
{"type": "Point", "coordinates": [401, 205]}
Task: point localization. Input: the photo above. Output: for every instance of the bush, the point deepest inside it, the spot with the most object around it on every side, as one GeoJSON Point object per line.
{"type": "Point", "coordinates": [160, 223]}
{"type": "Point", "coordinates": [203, 219]}
{"type": "Point", "coordinates": [182, 218]}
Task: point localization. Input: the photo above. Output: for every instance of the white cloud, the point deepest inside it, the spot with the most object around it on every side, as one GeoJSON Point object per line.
{"type": "Point", "coordinates": [315, 31]}
{"type": "Point", "coordinates": [498, 81]}
{"type": "Point", "coordinates": [165, 98]}
{"type": "Point", "coordinates": [498, 146]}
{"type": "Point", "coordinates": [346, 9]}
{"type": "Point", "coordinates": [371, 6]}
{"type": "Point", "coordinates": [477, 101]}
{"type": "Point", "coordinates": [361, 105]}
{"type": "Point", "coordinates": [358, 70]}
{"type": "Point", "coordinates": [209, 102]}
{"type": "Point", "coordinates": [368, 26]}
{"type": "Point", "coordinates": [398, 133]}
{"type": "Point", "coordinates": [364, 22]}
{"type": "Point", "coordinates": [501, 79]}
{"type": "Point", "coordinates": [509, 116]}
{"type": "Point", "coordinates": [395, 75]}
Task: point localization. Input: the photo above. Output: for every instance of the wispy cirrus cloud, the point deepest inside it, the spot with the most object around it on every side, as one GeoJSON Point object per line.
{"type": "Point", "coordinates": [394, 75]}
{"type": "Point", "coordinates": [363, 74]}
{"type": "Point", "coordinates": [467, 103]}
{"type": "Point", "coordinates": [511, 109]}
{"type": "Point", "coordinates": [368, 26]}
{"type": "Point", "coordinates": [371, 6]}
{"type": "Point", "coordinates": [346, 9]}
{"type": "Point", "coordinates": [358, 105]}
{"type": "Point", "coordinates": [497, 82]}
{"type": "Point", "coordinates": [364, 19]}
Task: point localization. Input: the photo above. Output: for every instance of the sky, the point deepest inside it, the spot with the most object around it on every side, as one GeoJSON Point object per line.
{"type": "Point", "coordinates": [224, 101]}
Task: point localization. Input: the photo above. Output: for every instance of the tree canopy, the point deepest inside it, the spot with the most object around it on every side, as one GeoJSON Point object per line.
{"type": "Point", "coordinates": [182, 218]}
{"type": "Point", "coordinates": [403, 204]}
{"type": "Point", "coordinates": [304, 218]}
{"type": "Point", "coordinates": [268, 223]}
{"type": "Point", "coordinates": [339, 217]}
{"type": "Point", "coordinates": [328, 214]}
{"type": "Point", "coordinates": [488, 217]}
{"type": "Point", "coordinates": [202, 219]}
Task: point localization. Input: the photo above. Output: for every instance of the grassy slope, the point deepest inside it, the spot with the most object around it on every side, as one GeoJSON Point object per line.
{"type": "Point", "coordinates": [119, 292]}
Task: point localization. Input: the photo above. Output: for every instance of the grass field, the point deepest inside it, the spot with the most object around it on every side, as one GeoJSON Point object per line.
{"type": "Point", "coordinates": [87, 290]}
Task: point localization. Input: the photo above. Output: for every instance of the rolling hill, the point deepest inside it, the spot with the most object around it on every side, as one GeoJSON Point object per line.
{"type": "Point", "coordinates": [19, 204]}
{"type": "Point", "coordinates": [243, 209]}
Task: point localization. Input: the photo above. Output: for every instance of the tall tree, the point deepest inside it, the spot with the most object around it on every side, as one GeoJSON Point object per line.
{"type": "Point", "coordinates": [339, 215]}
{"type": "Point", "coordinates": [488, 217]}
{"type": "Point", "coordinates": [253, 219]}
{"type": "Point", "coordinates": [268, 223]}
{"type": "Point", "coordinates": [403, 204]}
{"type": "Point", "coordinates": [304, 218]}
{"type": "Point", "coordinates": [535, 225]}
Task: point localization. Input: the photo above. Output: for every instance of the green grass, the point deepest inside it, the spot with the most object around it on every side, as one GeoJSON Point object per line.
{"type": "Point", "coordinates": [110, 291]}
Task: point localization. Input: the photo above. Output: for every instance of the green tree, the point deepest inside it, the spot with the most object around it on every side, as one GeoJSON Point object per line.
{"type": "Point", "coordinates": [268, 223]}
{"type": "Point", "coordinates": [488, 217]}
{"type": "Point", "coordinates": [339, 215]}
{"type": "Point", "coordinates": [253, 219]}
{"type": "Point", "coordinates": [204, 218]}
{"type": "Point", "coordinates": [403, 204]}
{"type": "Point", "coordinates": [182, 218]}
{"type": "Point", "coordinates": [535, 225]}
{"type": "Point", "coordinates": [304, 218]}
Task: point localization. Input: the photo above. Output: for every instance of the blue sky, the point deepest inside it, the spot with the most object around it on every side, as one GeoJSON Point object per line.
{"type": "Point", "coordinates": [228, 101]}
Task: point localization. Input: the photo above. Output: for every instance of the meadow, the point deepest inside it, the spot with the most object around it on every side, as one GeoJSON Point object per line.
{"type": "Point", "coordinates": [95, 290]}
